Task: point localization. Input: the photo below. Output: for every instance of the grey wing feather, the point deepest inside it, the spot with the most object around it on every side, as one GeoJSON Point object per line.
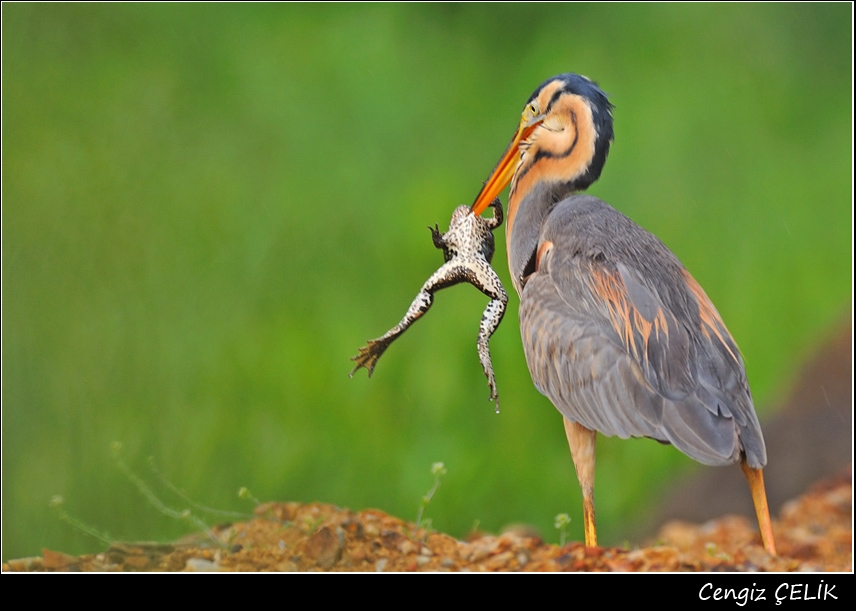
{"type": "Point", "coordinates": [619, 354]}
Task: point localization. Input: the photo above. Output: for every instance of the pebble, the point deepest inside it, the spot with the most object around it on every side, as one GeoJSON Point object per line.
{"type": "Point", "coordinates": [201, 565]}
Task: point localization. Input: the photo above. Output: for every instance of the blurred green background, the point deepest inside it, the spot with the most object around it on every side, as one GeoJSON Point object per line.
{"type": "Point", "coordinates": [208, 208]}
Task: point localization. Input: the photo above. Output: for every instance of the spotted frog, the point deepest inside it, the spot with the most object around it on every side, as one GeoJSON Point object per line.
{"type": "Point", "coordinates": [468, 249]}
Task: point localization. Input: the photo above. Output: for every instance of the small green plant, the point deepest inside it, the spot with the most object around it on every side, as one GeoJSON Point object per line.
{"type": "Point", "coordinates": [312, 524]}
{"type": "Point", "coordinates": [57, 502]}
{"type": "Point", "coordinates": [438, 470]}
{"type": "Point", "coordinates": [151, 497]}
{"type": "Point", "coordinates": [183, 496]}
{"type": "Point", "coordinates": [245, 494]}
{"type": "Point", "coordinates": [562, 521]}
{"type": "Point", "coordinates": [712, 551]}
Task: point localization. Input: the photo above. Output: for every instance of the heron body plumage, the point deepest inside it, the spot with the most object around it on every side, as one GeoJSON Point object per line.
{"type": "Point", "coordinates": [615, 330]}
{"type": "Point", "coordinates": [604, 325]}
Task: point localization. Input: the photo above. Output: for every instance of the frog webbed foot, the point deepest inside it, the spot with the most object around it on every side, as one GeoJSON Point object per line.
{"type": "Point", "coordinates": [369, 355]}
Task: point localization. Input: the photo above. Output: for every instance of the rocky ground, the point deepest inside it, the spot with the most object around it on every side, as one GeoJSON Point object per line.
{"type": "Point", "coordinates": [813, 533]}
{"type": "Point", "coordinates": [811, 436]}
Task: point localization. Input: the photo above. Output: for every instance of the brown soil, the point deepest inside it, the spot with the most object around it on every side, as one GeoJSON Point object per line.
{"type": "Point", "coordinates": [813, 533]}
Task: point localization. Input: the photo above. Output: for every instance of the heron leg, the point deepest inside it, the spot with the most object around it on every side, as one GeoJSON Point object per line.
{"type": "Point", "coordinates": [582, 441]}
{"type": "Point", "coordinates": [762, 511]}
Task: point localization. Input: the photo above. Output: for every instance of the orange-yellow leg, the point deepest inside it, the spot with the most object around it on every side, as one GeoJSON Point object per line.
{"type": "Point", "coordinates": [581, 441]}
{"type": "Point", "coordinates": [759, 498]}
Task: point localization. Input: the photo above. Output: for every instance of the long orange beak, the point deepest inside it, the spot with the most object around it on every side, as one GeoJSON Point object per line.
{"type": "Point", "coordinates": [504, 170]}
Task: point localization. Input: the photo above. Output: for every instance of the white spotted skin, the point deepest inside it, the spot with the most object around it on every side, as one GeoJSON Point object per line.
{"type": "Point", "coordinates": [468, 249]}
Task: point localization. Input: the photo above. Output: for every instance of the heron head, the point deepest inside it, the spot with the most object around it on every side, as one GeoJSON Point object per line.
{"type": "Point", "coordinates": [563, 139]}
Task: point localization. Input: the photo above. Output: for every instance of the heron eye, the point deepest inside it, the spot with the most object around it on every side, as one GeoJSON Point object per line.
{"type": "Point", "coordinates": [530, 111]}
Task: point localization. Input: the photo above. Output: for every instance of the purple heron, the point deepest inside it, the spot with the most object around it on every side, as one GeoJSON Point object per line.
{"type": "Point", "coordinates": [616, 332]}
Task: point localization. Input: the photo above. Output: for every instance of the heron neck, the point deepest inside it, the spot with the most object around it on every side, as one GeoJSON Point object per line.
{"type": "Point", "coordinates": [526, 214]}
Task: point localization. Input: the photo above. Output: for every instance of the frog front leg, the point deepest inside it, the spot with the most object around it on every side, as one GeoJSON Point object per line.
{"type": "Point", "coordinates": [497, 219]}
